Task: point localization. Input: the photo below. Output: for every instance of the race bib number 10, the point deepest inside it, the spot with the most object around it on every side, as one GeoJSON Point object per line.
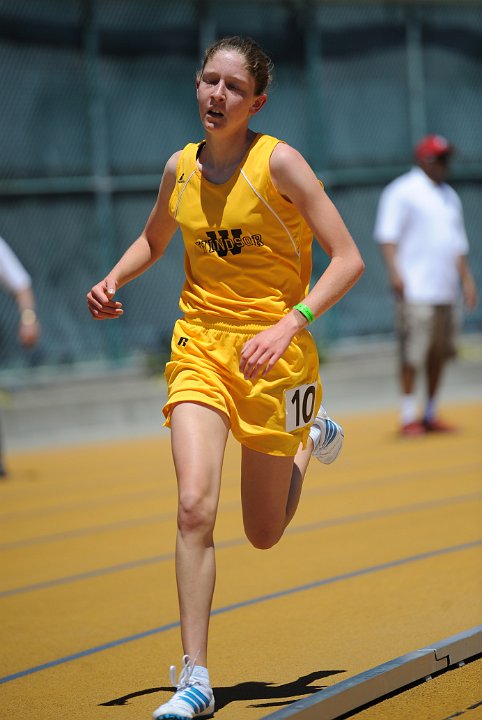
{"type": "Point", "coordinates": [300, 406]}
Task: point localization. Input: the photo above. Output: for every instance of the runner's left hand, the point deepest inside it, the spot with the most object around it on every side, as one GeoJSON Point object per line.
{"type": "Point", "coordinates": [260, 353]}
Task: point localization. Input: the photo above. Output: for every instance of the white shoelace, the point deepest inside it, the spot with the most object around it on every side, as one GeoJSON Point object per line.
{"type": "Point", "coordinates": [185, 675]}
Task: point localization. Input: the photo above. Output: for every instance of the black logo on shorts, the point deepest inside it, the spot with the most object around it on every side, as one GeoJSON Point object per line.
{"type": "Point", "coordinates": [181, 179]}
{"type": "Point", "coordinates": [224, 241]}
{"type": "Point", "coordinates": [183, 341]}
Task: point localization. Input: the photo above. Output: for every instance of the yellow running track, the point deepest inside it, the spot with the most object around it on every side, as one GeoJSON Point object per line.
{"type": "Point", "coordinates": [383, 557]}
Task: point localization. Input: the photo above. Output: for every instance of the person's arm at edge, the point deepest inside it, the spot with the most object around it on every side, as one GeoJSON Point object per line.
{"type": "Point", "coordinates": [468, 283]}
{"type": "Point", "coordinates": [142, 254]}
{"type": "Point", "coordinates": [29, 327]}
{"type": "Point", "coordinates": [389, 253]}
{"type": "Point", "coordinates": [16, 280]}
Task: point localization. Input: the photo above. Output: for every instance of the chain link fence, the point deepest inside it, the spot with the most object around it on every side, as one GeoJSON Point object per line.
{"type": "Point", "coordinates": [97, 94]}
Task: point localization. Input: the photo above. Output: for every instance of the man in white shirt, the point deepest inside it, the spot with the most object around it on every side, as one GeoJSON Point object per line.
{"type": "Point", "coordinates": [420, 228]}
{"type": "Point", "coordinates": [15, 279]}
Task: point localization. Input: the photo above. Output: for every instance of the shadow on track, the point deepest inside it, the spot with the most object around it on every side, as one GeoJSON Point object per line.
{"type": "Point", "coordinates": [256, 692]}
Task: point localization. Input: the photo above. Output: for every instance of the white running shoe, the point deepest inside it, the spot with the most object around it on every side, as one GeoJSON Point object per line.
{"type": "Point", "coordinates": [193, 697]}
{"type": "Point", "coordinates": [327, 437]}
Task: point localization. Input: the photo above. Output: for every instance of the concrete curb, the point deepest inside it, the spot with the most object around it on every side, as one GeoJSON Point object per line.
{"type": "Point", "coordinates": [374, 684]}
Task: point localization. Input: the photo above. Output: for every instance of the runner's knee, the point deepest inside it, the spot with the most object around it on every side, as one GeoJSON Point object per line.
{"type": "Point", "coordinates": [195, 514]}
{"type": "Point", "coordinates": [263, 538]}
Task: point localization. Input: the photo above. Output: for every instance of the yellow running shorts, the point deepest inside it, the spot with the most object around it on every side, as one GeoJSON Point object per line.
{"type": "Point", "coordinates": [271, 414]}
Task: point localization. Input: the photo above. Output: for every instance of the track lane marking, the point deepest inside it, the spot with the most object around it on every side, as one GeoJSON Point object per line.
{"type": "Point", "coordinates": [246, 603]}
{"type": "Point", "coordinates": [293, 530]}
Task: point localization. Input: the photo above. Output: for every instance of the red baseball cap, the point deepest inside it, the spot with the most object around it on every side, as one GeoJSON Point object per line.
{"type": "Point", "coordinates": [432, 146]}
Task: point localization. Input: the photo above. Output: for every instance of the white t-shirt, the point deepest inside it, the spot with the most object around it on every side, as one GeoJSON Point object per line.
{"type": "Point", "coordinates": [425, 220]}
{"type": "Point", "coordinates": [13, 275]}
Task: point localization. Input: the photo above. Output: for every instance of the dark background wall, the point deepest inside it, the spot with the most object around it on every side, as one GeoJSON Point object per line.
{"type": "Point", "coordinates": [97, 94]}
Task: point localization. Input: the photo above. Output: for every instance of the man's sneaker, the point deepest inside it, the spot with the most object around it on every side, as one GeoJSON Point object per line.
{"type": "Point", "coordinates": [438, 426]}
{"type": "Point", "coordinates": [413, 429]}
{"type": "Point", "coordinates": [327, 437]}
{"type": "Point", "coordinates": [193, 697]}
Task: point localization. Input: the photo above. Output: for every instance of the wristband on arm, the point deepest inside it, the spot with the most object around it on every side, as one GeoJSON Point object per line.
{"type": "Point", "coordinates": [305, 311]}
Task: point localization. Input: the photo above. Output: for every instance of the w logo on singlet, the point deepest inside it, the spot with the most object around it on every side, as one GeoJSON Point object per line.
{"type": "Point", "coordinates": [224, 241]}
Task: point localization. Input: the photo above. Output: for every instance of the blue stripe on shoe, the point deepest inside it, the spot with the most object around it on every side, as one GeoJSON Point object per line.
{"type": "Point", "coordinates": [189, 700]}
{"type": "Point", "coordinates": [330, 432]}
{"type": "Point", "coordinates": [195, 698]}
{"type": "Point", "coordinates": [204, 699]}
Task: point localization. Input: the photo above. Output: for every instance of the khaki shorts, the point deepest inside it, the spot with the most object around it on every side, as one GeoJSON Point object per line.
{"type": "Point", "coordinates": [273, 414]}
{"type": "Point", "coordinates": [426, 329]}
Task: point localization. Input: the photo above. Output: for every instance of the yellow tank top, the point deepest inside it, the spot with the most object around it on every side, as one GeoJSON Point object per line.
{"type": "Point", "coordinates": [247, 249]}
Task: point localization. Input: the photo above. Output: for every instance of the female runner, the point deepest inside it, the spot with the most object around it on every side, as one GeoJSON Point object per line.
{"type": "Point", "coordinates": [242, 360]}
